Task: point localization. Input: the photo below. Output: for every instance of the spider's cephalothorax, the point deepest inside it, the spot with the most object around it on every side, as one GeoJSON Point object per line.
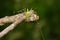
{"type": "Point", "coordinates": [31, 16]}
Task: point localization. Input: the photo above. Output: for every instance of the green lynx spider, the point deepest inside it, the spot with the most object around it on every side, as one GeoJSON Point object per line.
{"type": "Point", "coordinates": [27, 16]}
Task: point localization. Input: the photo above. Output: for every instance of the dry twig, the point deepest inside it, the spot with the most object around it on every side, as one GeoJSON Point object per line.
{"type": "Point", "coordinates": [16, 19]}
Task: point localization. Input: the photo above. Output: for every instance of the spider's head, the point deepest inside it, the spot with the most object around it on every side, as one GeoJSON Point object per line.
{"type": "Point", "coordinates": [31, 16]}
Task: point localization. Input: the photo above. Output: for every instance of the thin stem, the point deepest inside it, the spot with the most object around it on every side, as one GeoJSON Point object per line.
{"type": "Point", "coordinates": [42, 36]}
{"type": "Point", "coordinates": [11, 27]}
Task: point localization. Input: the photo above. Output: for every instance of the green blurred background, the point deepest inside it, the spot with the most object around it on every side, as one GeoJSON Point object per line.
{"type": "Point", "coordinates": [46, 28]}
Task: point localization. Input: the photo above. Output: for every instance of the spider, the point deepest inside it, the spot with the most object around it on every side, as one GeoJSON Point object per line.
{"type": "Point", "coordinates": [28, 16]}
